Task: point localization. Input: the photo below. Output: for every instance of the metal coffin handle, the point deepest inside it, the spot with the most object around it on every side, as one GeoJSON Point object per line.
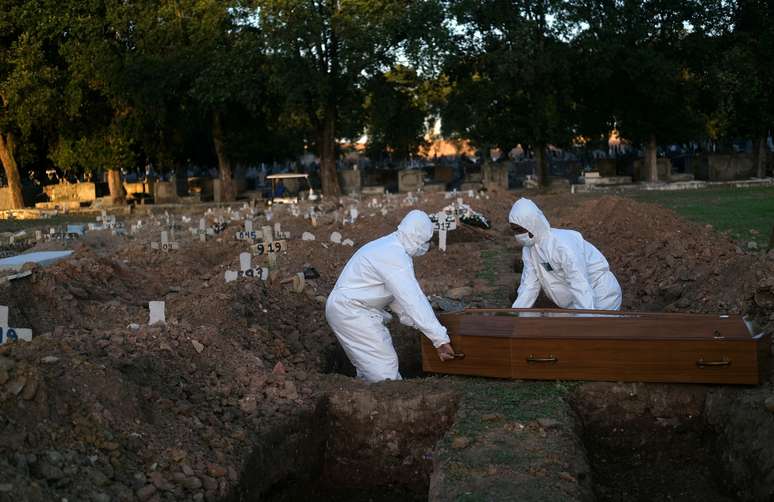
{"type": "Point", "coordinates": [701, 363]}
{"type": "Point", "coordinates": [550, 359]}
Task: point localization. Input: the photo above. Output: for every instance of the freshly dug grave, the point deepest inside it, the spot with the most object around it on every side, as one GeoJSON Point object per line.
{"type": "Point", "coordinates": [360, 443]}
{"type": "Point", "coordinates": [651, 442]}
{"type": "Point", "coordinates": [102, 407]}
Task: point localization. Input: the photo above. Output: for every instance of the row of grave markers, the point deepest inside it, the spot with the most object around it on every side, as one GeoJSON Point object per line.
{"type": "Point", "coordinates": [272, 241]}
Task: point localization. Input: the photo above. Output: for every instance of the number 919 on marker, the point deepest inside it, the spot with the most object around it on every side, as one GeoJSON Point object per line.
{"type": "Point", "coordinates": [267, 248]}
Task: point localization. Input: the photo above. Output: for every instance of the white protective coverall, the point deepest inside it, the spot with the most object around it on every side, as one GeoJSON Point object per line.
{"type": "Point", "coordinates": [572, 272]}
{"type": "Point", "coordinates": [378, 275]}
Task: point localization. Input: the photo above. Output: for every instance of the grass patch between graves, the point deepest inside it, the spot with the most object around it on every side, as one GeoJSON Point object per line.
{"type": "Point", "coordinates": [489, 263]}
{"type": "Point", "coordinates": [746, 214]}
{"type": "Point", "coordinates": [10, 225]}
{"type": "Point", "coordinates": [516, 401]}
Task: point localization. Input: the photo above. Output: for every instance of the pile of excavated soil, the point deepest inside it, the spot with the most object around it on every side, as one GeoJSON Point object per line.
{"type": "Point", "coordinates": [665, 263]}
{"type": "Point", "coordinates": [101, 406]}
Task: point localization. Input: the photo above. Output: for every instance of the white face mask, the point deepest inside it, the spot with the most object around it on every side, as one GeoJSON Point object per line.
{"type": "Point", "coordinates": [526, 239]}
{"type": "Point", "coordinates": [424, 248]}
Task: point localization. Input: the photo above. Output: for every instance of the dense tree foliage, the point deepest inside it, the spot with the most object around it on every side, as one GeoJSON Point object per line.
{"type": "Point", "coordinates": [105, 85]}
{"type": "Point", "coordinates": [509, 74]}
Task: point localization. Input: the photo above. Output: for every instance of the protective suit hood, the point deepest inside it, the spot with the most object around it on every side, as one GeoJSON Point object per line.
{"type": "Point", "coordinates": [414, 232]}
{"type": "Point", "coordinates": [526, 214]}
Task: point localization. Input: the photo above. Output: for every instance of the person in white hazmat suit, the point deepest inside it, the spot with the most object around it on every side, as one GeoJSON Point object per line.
{"type": "Point", "coordinates": [381, 274]}
{"type": "Point", "coordinates": [571, 271]}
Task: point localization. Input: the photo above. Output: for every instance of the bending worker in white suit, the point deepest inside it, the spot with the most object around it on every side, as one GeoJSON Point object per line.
{"type": "Point", "coordinates": [378, 275]}
{"type": "Point", "coordinates": [571, 271]}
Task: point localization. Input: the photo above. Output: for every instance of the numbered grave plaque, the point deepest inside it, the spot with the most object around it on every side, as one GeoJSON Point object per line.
{"type": "Point", "coordinates": [247, 270]}
{"type": "Point", "coordinates": [279, 234]}
{"type": "Point", "coordinates": [269, 248]}
{"type": "Point", "coordinates": [443, 221]}
{"type": "Point", "coordinates": [248, 234]}
{"type": "Point", "coordinates": [165, 245]}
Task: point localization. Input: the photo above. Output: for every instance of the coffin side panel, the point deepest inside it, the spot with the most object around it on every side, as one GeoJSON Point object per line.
{"type": "Point", "coordinates": [636, 361]}
{"type": "Point", "coordinates": [483, 356]}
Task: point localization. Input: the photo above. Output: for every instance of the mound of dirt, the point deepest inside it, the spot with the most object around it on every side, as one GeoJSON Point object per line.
{"type": "Point", "coordinates": [665, 263]}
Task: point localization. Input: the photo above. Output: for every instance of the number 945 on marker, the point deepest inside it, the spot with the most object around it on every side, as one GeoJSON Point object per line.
{"type": "Point", "coordinates": [267, 248]}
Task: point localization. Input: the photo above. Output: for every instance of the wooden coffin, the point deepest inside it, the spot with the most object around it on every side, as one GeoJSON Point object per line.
{"type": "Point", "coordinates": [552, 344]}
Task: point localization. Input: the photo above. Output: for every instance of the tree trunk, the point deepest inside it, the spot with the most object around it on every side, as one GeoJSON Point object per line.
{"type": "Point", "coordinates": [227, 193]}
{"type": "Point", "coordinates": [650, 165]}
{"type": "Point", "coordinates": [759, 157]}
{"type": "Point", "coordinates": [327, 147]}
{"type": "Point", "coordinates": [541, 165]}
{"type": "Point", "coordinates": [181, 180]}
{"type": "Point", "coordinates": [117, 193]}
{"type": "Point", "coordinates": [11, 170]}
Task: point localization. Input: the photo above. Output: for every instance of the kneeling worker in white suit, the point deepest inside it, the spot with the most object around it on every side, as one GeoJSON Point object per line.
{"type": "Point", "coordinates": [571, 271]}
{"type": "Point", "coordinates": [378, 275]}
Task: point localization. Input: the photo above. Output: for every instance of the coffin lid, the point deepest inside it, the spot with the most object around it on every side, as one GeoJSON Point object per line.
{"type": "Point", "coordinates": [597, 324]}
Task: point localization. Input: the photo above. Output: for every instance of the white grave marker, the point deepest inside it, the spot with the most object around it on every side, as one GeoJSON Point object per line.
{"type": "Point", "coordinates": [246, 270]}
{"type": "Point", "coordinates": [442, 239]}
{"type": "Point", "coordinates": [279, 234]}
{"type": "Point", "coordinates": [202, 230]}
{"type": "Point", "coordinates": [268, 234]}
{"type": "Point", "coordinates": [157, 313]}
{"type": "Point", "coordinates": [8, 333]}
{"type": "Point", "coordinates": [165, 244]}
{"type": "Point", "coordinates": [108, 222]}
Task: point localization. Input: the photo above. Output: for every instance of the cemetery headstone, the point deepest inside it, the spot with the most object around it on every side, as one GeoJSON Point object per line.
{"type": "Point", "coordinates": [165, 244]}
{"type": "Point", "coordinates": [246, 269]}
{"type": "Point", "coordinates": [157, 313]}
{"type": "Point", "coordinates": [8, 333]}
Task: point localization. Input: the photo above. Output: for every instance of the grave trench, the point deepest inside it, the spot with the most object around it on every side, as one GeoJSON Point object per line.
{"type": "Point", "coordinates": [362, 442]}
{"type": "Point", "coordinates": [657, 447]}
{"type": "Point", "coordinates": [652, 442]}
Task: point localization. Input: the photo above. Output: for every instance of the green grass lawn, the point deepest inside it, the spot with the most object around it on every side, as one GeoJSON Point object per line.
{"type": "Point", "coordinates": [745, 213]}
